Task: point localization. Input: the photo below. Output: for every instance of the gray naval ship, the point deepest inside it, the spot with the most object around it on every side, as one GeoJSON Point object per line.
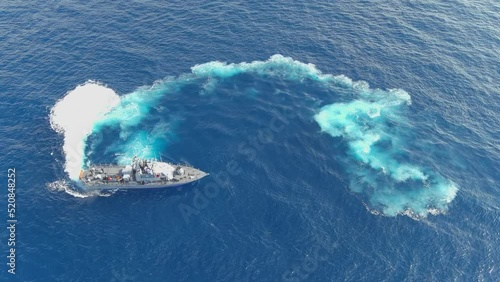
{"type": "Point", "coordinates": [140, 174]}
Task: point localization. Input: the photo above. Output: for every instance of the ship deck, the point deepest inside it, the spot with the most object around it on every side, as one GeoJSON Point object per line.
{"type": "Point", "coordinates": [113, 180]}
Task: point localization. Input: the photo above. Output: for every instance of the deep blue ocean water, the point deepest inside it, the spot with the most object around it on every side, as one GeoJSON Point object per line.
{"type": "Point", "coordinates": [344, 141]}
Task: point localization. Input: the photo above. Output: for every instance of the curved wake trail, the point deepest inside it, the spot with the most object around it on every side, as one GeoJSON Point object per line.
{"type": "Point", "coordinates": [74, 117]}
{"type": "Point", "coordinates": [379, 168]}
{"type": "Point", "coordinates": [391, 185]}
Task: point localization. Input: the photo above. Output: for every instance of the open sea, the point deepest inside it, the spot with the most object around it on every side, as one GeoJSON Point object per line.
{"type": "Point", "coordinates": [345, 140]}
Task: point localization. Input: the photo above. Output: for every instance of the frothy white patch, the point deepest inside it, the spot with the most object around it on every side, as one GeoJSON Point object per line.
{"type": "Point", "coordinates": [65, 186]}
{"type": "Point", "coordinates": [74, 116]}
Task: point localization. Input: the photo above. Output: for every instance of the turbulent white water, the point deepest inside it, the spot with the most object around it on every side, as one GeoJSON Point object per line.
{"type": "Point", "coordinates": [392, 186]}
{"type": "Point", "coordinates": [74, 116]}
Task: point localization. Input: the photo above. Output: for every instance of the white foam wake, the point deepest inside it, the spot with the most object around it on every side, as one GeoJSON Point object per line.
{"type": "Point", "coordinates": [69, 187]}
{"type": "Point", "coordinates": [74, 116]}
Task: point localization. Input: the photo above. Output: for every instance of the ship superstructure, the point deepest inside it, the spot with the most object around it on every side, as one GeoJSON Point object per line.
{"type": "Point", "coordinates": [140, 174]}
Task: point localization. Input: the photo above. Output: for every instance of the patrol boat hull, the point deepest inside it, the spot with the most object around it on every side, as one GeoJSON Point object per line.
{"type": "Point", "coordinates": [141, 174]}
